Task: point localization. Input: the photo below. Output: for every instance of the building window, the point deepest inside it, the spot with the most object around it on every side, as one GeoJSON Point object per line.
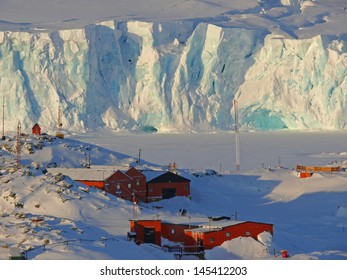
{"type": "Point", "coordinates": [248, 233]}
{"type": "Point", "coordinates": [129, 185]}
{"type": "Point", "coordinates": [227, 234]}
{"type": "Point", "coordinates": [137, 182]}
{"type": "Point", "coordinates": [211, 239]}
{"type": "Point", "coordinates": [172, 231]}
{"type": "Point", "coordinates": [186, 187]}
{"type": "Point", "coordinates": [150, 189]}
{"type": "Point", "coordinates": [118, 186]}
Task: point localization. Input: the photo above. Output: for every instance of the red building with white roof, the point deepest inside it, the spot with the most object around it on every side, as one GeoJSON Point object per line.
{"type": "Point", "coordinates": [196, 237]}
{"type": "Point", "coordinates": [214, 234]}
{"type": "Point", "coordinates": [129, 185]}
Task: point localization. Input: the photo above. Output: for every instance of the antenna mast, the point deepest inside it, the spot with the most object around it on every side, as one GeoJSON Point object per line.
{"type": "Point", "coordinates": [59, 119]}
{"type": "Point", "coordinates": [18, 145]}
{"type": "Point", "coordinates": [3, 118]}
{"type": "Point", "coordinates": [59, 134]}
{"type": "Point", "coordinates": [237, 136]}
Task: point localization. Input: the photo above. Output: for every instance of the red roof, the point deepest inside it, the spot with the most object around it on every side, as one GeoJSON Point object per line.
{"type": "Point", "coordinates": [133, 172]}
{"type": "Point", "coordinates": [36, 125]}
{"type": "Point", "coordinates": [121, 176]}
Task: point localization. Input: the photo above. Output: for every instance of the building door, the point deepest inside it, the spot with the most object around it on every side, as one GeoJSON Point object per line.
{"type": "Point", "coordinates": [149, 233]}
{"type": "Point", "coordinates": [168, 193]}
{"type": "Point", "coordinates": [200, 245]}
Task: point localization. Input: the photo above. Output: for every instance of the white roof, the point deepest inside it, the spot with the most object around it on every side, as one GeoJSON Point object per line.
{"type": "Point", "coordinates": [184, 220]}
{"type": "Point", "coordinates": [151, 174]}
{"type": "Point", "coordinates": [85, 174]}
{"type": "Point", "coordinates": [216, 225]}
{"type": "Point", "coordinates": [110, 167]}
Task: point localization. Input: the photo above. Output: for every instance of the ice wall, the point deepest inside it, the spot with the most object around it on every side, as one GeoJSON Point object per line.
{"type": "Point", "coordinates": [296, 84]}
{"type": "Point", "coordinates": [171, 76]}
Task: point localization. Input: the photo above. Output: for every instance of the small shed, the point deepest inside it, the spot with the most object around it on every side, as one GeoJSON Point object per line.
{"type": "Point", "coordinates": [36, 130]}
{"type": "Point", "coordinates": [305, 174]}
{"type": "Point", "coordinates": [166, 186]}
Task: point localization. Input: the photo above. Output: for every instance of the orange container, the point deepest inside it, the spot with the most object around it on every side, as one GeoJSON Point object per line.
{"type": "Point", "coordinates": [284, 254]}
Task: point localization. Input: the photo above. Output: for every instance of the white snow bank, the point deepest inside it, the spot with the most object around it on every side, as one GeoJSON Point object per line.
{"type": "Point", "coordinates": [341, 211]}
{"type": "Point", "coordinates": [265, 238]}
{"type": "Point", "coordinates": [239, 248]}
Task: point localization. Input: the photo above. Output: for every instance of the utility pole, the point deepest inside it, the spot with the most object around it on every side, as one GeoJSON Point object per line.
{"type": "Point", "coordinates": [237, 137]}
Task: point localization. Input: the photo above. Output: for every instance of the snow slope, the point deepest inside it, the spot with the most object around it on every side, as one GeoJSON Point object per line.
{"type": "Point", "coordinates": [309, 215]}
{"type": "Point", "coordinates": [177, 67]}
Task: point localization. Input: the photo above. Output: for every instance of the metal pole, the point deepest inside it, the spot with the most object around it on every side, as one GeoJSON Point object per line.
{"type": "Point", "coordinates": [237, 137]}
{"type": "Point", "coordinates": [59, 120]}
{"type": "Point", "coordinates": [134, 210]}
{"type": "Point", "coordinates": [139, 159]}
{"type": "Point", "coordinates": [18, 146]}
{"type": "Point", "coordinates": [3, 117]}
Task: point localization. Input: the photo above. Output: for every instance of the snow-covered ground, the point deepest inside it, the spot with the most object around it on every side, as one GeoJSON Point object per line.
{"type": "Point", "coordinates": [309, 215]}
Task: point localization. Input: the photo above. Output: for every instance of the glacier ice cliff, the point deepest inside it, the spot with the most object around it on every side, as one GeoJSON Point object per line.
{"type": "Point", "coordinates": [174, 76]}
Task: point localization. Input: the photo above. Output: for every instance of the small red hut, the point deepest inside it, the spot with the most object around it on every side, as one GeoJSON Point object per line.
{"type": "Point", "coordinates": [36, 130]}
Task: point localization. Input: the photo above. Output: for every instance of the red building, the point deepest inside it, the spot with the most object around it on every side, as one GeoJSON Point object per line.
{"type": "Point", "coordinates": [120, 184]}
{"type": "Point", "coordinates": [90, 177]}
{"type": "Point", "coordinates": [147, 231]}
{"type": "Point", "coordinates": [36, 130]}
{"type": "Point", "coordinates": [175, 232]}
{"type": "Point", "coordinates": [128, 185]}
{"type": "Point", "coordinates": [166, 186]}
{"type": "Point", "coordinates": [139, 184]}
{"type": "Point", "coordinates": [131, 184]}
{"type": "Point", "coordinates": [215, 234]}
{"type": "Point", "coordinates": [196, 237]}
